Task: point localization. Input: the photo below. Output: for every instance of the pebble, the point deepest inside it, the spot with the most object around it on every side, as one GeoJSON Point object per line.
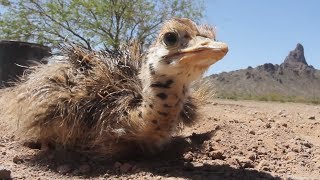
{"type": "Point", "coordinates": [4, 173]}
{"type": "Point", "coordinates": [217, 155]}
{"type": "Point", "coordinates": [252, 132]}
{"type": "Point", "coordinates": [17, 160]}
{"type": "Point", "coordinates": [245, 162]}
{"type": "Point", "coordinates": [290, 156]}
{"type": "Point", "coordinates": [317, 165]}
{"type": "Point", "coordinates": [197, 164]}
{"type": "Point", "coordinates": [312, 117]}
{"type": "Point", "coordinates": [296, 149]}
{"type": "Point", "coordinates": [262, 151]}
{"type": "Point", "coordinates": [263, 165]}
{"type": "Point", "coordinates": [188, 156]}
{"type": "Point", "coordinates": [281, 112]}
{"type": "Point", "coordinates": [307, 144]}
{"type": "Point", "coordinates": [308, 151]}
{"type": "Point", "coordinates": [268, 125]}
{"type": "Point", "coordinates": [316, 159]}
{"type": "Point", "coordinates": [259, 121]}
{"type": "Point", "coordinates": [283, 115]}
{"type": "Point", "coordinates": [252, 156]}
{"type": "Point", "coordinates": [285, 125]}
{"type": "Point", "coordinates": [64, 169]}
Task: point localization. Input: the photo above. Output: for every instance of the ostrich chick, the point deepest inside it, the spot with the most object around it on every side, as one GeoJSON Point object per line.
{"type": "Point", "coordinates": [106, 102]}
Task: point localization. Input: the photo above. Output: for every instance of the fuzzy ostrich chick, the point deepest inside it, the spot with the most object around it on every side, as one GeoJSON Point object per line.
{"type": "Point", "coordinates": [105, 102]}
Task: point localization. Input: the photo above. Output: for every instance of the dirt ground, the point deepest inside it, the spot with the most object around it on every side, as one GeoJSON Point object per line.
{"type": "Point", "coordinates": [233, 140]}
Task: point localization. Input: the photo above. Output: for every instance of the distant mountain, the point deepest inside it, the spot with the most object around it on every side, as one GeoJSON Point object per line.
{"type": "Point", "coordinates": [293, 78]}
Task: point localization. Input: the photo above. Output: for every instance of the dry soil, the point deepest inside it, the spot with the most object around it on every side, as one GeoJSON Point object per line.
{"type": "Point", "coordinates": [233, 140]}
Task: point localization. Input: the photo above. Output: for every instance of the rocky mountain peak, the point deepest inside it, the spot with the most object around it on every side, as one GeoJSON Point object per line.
{"type": "Point", "coordinates": [296, 57]}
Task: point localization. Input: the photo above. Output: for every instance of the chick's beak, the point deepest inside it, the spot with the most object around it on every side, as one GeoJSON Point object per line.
{"type": "Point", "coordinates": [203, 51]}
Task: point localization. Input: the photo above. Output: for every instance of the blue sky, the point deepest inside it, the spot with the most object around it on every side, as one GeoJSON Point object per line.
{"type": "Point", "coordinates": [264, 31]}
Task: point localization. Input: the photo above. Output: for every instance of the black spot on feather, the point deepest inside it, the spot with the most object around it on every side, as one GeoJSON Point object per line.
{"type": "Point", "coordinates": [162, 96]}
{"type": "Point", "coordinates": [151, 69]}
{"type": "Point", "coordinates": [163, 113]}
{"type": "Point", "coordinates": [184, 90]}
{"type": "Point", "coordinates": [165, 85]}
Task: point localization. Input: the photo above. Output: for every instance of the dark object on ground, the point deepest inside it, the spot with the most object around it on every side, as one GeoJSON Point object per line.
{"type": "Point", "coordinates": [14, 55]}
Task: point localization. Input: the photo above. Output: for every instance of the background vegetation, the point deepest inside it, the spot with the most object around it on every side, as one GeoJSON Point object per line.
{"type": "Point", "coordinates": [93, 24]}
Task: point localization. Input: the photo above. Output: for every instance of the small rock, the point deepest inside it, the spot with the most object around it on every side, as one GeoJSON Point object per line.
{"type": "Point", "coordinates": [307, 144]}
{"type": "Point", "coordinates": [126, 167]}
{"type": "Point", "coordinates": [263, 165]}
{"type": "Point", "coordinates": [252, 156]}
{"type": "Point", "coordinates": [252, 132]}
{"type": "Point", "coordinates": [217, 139]}
{"type": "Point", "coordinates": [280, 112]}
{"type": "Point", "coordinates": [4, 173]}
{"type": "Point", "coordinates": [244, 162]}
{"type": "Point", "coordinates": [17, 160]}
{"type": "Point", "coordinates": [106, 175]}
{"type": "Point", "coordinates": [197, 164]}
{"type": "Point", "coordinates": [259, 121]}
{"type": "Point", "coordinates": [4, 153]}
{"type": "Point", "coordinates": [312, 117]}
{"type": "Point", "coordinates": [271, 120]}
{"type": "Point", "coordinates": [188, 156]}
{"type": "Point", "coordinates": [217, 155]}
{"type": "Point", "coordinates": [285, 125]}
{"type": "Point", "coordinates": [268, 125]}
{"type": "Point", "coordinates": [317, 165]}
{"type": "Point", "coordinates": [64, 169]}
{"type": "Point", "coordinates": [290, 156]}
{"type": "Point", "coordinates": [85, 168]}
{"type": "Point", "coordinates": [262, 151]}
{"type": "Point", "coordinates": [296, 149]}
{"type": "Point", "coordinates": [308, 151]}
{"type": "Point", "coordinates": [214, 103]}
{"type": "Point", "coordinates": [297, 138]}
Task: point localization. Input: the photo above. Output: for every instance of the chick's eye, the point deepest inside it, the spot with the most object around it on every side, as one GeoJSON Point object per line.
{"type": "Point", "coordinates": [170, 38]}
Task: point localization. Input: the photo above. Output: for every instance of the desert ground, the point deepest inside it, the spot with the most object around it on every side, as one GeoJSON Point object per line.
{"type": "Point", "coordinates": [232, 140]}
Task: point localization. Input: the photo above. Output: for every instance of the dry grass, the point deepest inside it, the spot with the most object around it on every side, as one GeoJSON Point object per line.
{"type": "Point", "coordinates": [203, 91]}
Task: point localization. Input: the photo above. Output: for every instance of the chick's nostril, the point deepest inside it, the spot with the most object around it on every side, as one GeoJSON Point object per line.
{"type": "Point", "coordinates": [204, 43]}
